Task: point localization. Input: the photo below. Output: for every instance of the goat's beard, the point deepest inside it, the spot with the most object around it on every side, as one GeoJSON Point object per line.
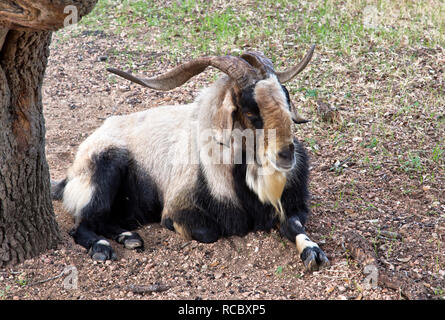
{"type": "Point", "coordinates": [269, 187]}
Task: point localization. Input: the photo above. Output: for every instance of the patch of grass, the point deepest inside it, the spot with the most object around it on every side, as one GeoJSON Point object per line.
{"type": "Point", "coordinates": [437, 154]}
{"type": "Point", "coordinates": [371, 144]}
{"type": "Point", "coordinates": [337, 25]}
{"type": "Point", "coordinates": [4, 292]}
{"type": "Point", "coordinates": [412, 164]}
{"type": "Point", "coordinates": [339, 199]}
{"type": "Point", "coordinates": [310, 93]}
{"type": "Point", "coordinates": [440, 292]}
{"type": "Point", "coordinates": [312, 143]}
{"type": "Point", "coordinates": [279, 271]}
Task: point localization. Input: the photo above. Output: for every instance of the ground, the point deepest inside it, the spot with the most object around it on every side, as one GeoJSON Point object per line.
{"type": "Point", "coordinates": [377, 164]}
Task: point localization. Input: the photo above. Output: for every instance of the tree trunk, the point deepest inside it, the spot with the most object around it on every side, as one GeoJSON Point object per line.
{"type": "Point", "coordinates": [27, 222]}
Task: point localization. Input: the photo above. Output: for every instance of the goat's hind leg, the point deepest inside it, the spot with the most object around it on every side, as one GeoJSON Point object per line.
{"type": "Point", "coordinates": [98, 247]}
{"type": "Point", "coordinates": [129, 239]}
{"type": "Point", "coordinates": [93, 235]}
{"type": "Point", "coordinates": [93, 220]}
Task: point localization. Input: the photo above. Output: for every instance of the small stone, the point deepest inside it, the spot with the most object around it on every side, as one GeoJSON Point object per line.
{"type": "Point", "coordinates": [102, 58]}
{"type": "Point", "coordinates": [123, 88]}
{"type": "Point", "coordinates": [219, 275]}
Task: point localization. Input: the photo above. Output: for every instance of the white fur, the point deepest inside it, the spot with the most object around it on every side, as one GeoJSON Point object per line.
{"type": "Point", "coordinates": [103, 242]}
{"type": "Point", "coordinates": [77, 194]}
{"type": "Point", "coordinates": [302, 241]}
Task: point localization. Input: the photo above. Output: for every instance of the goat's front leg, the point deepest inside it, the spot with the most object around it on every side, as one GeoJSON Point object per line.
{"type": "Point", "coordinates": [310, 253]}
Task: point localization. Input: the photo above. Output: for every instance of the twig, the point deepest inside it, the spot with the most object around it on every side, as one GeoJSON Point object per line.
{"type": "Point", "coordinates": [361, 250]}
{"type": "Point", "coordinates": [147, 289]}
{"type": "Point", "coordinates": [49, 279]}
{"type": "Point", "coordinates": [10, 272]}
{"type": "Point", "coordinates": [340, 164]}
{"type": "Point", "coordinates": [185, 244]}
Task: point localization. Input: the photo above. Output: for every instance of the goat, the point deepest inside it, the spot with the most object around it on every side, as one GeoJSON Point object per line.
{"type": "Point", "coordinates": [136, 169]}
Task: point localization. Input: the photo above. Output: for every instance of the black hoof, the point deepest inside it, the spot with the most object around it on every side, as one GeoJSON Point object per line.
{"type": "Point", "coordinates": [205, 235]}
{"type": "Point", "coordinates": [101, 250]}
{"type": "Point", "coordinates": [314, 258]}
{"type": "Point", "coordinates": [131, 240]}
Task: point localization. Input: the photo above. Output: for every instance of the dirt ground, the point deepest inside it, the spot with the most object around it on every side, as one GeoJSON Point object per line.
{"type": "Point", "coordinates": [400, 235]}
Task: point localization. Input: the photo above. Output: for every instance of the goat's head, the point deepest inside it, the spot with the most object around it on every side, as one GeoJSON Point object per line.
{"type": "Point", "coordinates": [255, 99]}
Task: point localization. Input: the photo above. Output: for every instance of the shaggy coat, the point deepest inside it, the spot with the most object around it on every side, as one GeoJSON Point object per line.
{"type": "Point", "coordinates": [160, 165]}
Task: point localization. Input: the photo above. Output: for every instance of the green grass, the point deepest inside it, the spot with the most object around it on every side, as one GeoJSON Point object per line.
{"type": "Point", "coordinates": [218, 27]}
{"type": "Point", "coordinates": [4, 292]}
{"type": "Point", "coordinates": [437, 154]}
{"type": "Point", "coordinates": [279, 270]}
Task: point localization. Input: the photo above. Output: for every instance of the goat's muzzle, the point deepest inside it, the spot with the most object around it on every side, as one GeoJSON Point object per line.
{"type": "Point", "coordinates": [286, 158]}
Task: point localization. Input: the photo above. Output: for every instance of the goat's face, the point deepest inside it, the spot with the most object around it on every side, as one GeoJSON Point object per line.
{"type": "Point", "coordinates": [264, 108]}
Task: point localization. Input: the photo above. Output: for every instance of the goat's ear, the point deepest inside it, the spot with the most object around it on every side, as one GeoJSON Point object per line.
{"type": "Point", "coordinates": [296, 118]}
{"type": "Point", "coordinates": [222, 122]}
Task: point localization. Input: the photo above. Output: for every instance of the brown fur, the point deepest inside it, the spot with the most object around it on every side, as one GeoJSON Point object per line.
{"type": "Point", "coordinates": [273, 108]}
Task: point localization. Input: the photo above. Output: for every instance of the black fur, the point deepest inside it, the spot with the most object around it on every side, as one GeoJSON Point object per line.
{"type": "Point", "coordinates": [295, 198]}
{"type": "Point", "coordinates": [57, 188]}
{"type": "Point", "coordinates": [248, 105]}
{"type": "Point", "coordinates": [213, 218]}
{"type": "Point", "coordinates": [286, 93]}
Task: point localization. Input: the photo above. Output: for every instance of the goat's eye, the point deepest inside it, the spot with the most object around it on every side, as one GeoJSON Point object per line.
{"type": "Point", "coordinates": [249, 114]}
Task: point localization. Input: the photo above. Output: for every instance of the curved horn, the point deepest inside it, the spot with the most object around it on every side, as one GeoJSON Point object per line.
{"type": "Point", "coordinates": [259, 61]}
{"type": "Point", "coordinates": [292, 72]}
{"type": "Point", "coordinates": [237, 69]}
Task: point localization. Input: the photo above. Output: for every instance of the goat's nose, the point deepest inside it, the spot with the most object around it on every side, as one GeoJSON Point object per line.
{"type": "Point", "coordinates": [287, 152]}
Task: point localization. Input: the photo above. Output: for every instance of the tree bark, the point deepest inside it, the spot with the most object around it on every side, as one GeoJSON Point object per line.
{"type": "Point", "coordinates": [41, 14]}
{"type": "Point", "coordinates": [27, 223]}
